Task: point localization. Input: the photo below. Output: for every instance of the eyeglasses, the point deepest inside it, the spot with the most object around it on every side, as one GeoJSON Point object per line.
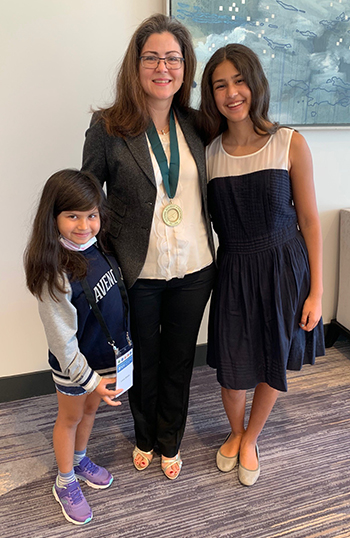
{"type": "Point", "coordinates": [152, 62]}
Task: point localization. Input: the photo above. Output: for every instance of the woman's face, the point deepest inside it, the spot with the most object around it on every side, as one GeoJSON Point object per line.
{"type": "Point", "coordinates": [161, 83]}
{"type": "Point", "coordinates": [231, 93]}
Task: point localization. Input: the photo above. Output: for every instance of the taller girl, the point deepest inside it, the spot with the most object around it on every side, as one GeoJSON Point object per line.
{"type": "Point", "coordinates": [266, 309]}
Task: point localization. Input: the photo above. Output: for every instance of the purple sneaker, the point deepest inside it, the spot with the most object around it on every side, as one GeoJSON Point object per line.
{"type": "Point", "coordinates": [74, 505]}
{"type": "Point", "coordinates": [95, 476]}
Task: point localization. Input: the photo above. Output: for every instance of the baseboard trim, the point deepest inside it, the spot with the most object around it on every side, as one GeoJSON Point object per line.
{"type": "Point", "coordinates": [334, 331]}
{"type": "Point", "coordinates": [200, 358]}
{"type": "Point", "coordinates": [18, 387]}
{"type": "Point", "coordinates": [22, 386]}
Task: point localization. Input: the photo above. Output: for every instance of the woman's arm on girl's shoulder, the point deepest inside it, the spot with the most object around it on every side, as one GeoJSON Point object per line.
{"type": "Point", "coordinates": [301, 173]}
{"type": "Point", "coordinates": [94, 151]}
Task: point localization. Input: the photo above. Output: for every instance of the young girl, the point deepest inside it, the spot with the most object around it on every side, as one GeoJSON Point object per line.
{"type": "Point", "coordinates": [62, 252]}
{"type": "Point", "coordinates": [265, 314]}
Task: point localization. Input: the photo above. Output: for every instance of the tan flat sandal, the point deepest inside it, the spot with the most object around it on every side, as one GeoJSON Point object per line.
{"type": "Point", "coordinates": [147, 458]}
{"type": "Point", "coordinates": [167, 463]}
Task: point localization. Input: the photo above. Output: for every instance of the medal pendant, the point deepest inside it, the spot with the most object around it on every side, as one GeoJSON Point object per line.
{"type": "Point", "coordinates": [172, 215]}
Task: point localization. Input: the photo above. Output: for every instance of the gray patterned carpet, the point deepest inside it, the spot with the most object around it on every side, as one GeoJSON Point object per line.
{"type": "Point", "coordinates": [303, 491]}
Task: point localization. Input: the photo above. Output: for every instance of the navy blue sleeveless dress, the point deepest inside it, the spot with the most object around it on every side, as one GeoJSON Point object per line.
{"type": "Point", "coordinates": [263, 270]}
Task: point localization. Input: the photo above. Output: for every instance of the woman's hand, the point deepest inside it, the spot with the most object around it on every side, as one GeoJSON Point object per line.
{"type": "Point", "coordinates": [311, 315]}
{"type": "Point", "coordinates": [106, 394]}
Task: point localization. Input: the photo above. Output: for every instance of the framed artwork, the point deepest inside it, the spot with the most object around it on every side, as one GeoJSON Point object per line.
{"type": "Point", "coordinates": [303, 45]}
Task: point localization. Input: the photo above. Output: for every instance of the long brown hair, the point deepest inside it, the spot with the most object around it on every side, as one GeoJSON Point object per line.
{"type": "Point", "coordinates": [129, 116]}
{"type": "Point", "coordinates": [248, 65]}
{"type": "Point", "coordinates": [45, 259]}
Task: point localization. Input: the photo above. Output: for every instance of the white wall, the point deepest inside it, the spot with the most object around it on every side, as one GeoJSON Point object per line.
{"type": "Point", "coordinates": [331, 156]}
{"type": "Point", "coordinates": [58, 58]}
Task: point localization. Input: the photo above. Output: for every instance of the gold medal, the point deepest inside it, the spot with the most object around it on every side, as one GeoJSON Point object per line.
{"type": "Point", "coordinates": [172, 215]}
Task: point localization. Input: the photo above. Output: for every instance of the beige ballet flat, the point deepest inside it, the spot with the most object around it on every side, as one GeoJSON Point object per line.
{"type": "Point", "coordinates": [225, 463]}
{"type": "Point", "coordinates": [246, 476]}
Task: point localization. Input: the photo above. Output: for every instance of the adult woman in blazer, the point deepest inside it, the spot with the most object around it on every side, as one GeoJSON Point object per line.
{"type": "Point", "coordinates": [146, 149]}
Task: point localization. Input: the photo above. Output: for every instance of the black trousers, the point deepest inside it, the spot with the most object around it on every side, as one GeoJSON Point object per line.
{"type": "Point", "coordinates": [165, 320]}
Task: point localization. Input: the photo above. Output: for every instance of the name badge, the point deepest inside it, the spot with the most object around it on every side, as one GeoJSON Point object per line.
{"type": "Point", "coordinates": [124, 368]}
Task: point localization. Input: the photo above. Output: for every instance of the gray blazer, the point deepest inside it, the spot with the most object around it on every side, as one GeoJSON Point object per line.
{"type": "Point", "coordinates": [125, 166]}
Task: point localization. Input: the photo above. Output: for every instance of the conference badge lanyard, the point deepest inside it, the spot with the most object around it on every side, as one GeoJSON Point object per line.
{"type": "Point", "coordinates": [123, 356]}
{"type": "Point", "coordinates": [172, 213]}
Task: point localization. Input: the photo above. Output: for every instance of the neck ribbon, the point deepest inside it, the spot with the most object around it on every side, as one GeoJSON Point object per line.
{"type": "Point", "coordinates": [170, 174]}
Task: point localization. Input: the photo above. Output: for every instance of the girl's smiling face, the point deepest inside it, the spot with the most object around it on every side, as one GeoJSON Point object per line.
{"type": "Point", "coordinates": [231, 93]}
{"type": "Point", "coordinates": [161, 83]}
{"type": "Point", "coordinates": [79, 226]}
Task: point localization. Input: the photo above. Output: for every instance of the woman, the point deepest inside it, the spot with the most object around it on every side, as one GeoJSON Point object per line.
{"type": "Point", "coordinates": [265, 313]}
{"type": "Point", "coordinates": [160, 227]}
